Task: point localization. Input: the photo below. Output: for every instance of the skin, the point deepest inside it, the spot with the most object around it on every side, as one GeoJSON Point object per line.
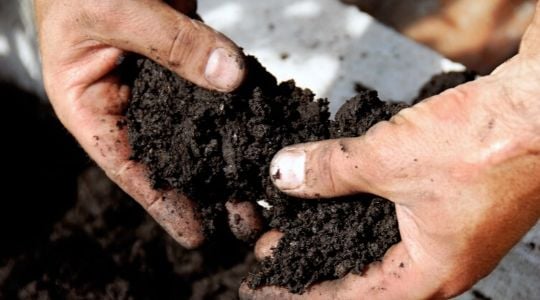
{"type": "Point", "coordinates": [458, 166]}
{"type": "Point", "coordinates": [81, 44]}
{"type": "Point", "coordinates": [461, 168]}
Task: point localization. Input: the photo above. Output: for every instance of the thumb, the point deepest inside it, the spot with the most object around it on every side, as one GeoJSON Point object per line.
{"type": "Point", "coordinates": [322, 169]}
{"type": "Point", "coordinates": [188, 47]}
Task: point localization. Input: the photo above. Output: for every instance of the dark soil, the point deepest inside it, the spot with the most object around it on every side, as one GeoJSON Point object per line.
{"type": "Point", "coordinates": [216, 147]}
{"type": "Point", "coordinates": [441, 82]}
{"type": "Point", "coordinates": [69, 233]}
{"type": "Point", "coordinates": [329, 239]}
{"type": "Point", "coordinates": [107, 247]}
{"type": "Point", "coordinates": [39, 182]}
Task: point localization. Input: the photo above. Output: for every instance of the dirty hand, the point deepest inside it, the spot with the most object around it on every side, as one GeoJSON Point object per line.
{"type": "Point", "coordinates": [82, 43]}
{"type": "Point", "coordinates": [462, 169]}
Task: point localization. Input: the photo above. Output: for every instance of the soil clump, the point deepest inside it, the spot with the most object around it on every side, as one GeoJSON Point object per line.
{"type": "Point", "coordinates": [216, 147]}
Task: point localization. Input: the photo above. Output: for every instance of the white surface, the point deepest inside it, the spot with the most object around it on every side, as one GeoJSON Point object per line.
{"type": "Point", "coordinates": [329, 47]}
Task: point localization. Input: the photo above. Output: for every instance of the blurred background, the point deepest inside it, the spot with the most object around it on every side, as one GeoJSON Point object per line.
{"type": "Point", "coordinates": [480, 34]}
{"type": "Point", "coordinates": [67, 232]}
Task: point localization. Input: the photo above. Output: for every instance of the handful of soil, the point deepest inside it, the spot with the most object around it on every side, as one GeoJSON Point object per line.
{"type": "Point", "coordinates": [215, 147]}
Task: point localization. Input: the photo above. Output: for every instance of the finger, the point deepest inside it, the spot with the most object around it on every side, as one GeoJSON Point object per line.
{"type": "Point", "coordinates": [324, 169]}
{"type": "Point", "coordinates": [172, 210]}
{"type": "Point", "coordinates": [244, 220]}
{"type": "Point", "coordinates": [384, 161]}
{"type": "Point", "coordinates": [266, 243]}
{"type": "Point", "coordinates": [186, 46]}
{"type": "Point", "coordinates": [93, 119]}
{"type": "Point", "coordinates": [396, 277]}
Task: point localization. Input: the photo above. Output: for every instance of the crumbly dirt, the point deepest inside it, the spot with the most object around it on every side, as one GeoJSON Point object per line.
{"type": "Point", "coordinates": [217, 147]}
{"type": "Point", "coordinates": [107, 247]}
{"type": "Point", "coordinates": [214, 146]}
{"type": "Point", "coordinates": [69, 233]}
{"type": "Point", "coordinates": [328, 239]}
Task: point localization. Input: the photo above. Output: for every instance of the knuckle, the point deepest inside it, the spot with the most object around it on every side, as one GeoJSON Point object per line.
{"type": "Point", "coordinates": [380, 145]}
{"type": "Point", "coordinates": [122, 169]}
{"type": "Point", "coordinates": [129, 176]}
{"type": "Point", "coordinates": [321, 171]}
{"type": "Point", "coordinates": [182, 46]}
{"type": "Point", "coordinates": [406, 116]}
{"type": "Point", "coordinates": [332, 160]}
{"type": "Point", "coordinates": [378, 129]}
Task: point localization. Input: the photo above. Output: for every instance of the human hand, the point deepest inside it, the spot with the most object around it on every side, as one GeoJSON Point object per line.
{"type": "Point", "coordinates": [82, 43]}
{"type": "Point", "coordinates": [460, 167]}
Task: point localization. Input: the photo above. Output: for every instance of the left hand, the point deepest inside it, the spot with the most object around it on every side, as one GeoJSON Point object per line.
{"type": "Point", "coordinates": [82, 43]}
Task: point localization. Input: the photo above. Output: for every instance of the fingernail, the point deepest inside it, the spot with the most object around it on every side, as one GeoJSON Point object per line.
{"type": "Point", "coordinates": [287, 169]}
{"type": "Point", "coordinates": [223, 69]}
{"type": "Point", "coordinates": [264, 247]}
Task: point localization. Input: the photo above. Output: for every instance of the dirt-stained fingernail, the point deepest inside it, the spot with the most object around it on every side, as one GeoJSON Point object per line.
{"type": "Point", "coordinates": [244, 220]}
{"type": "Point", "coordinates": [287, 169]}
{"type": "Point", "coordinates": [177, 215]}
{"type": "Point", "coordinates": [224, 69]}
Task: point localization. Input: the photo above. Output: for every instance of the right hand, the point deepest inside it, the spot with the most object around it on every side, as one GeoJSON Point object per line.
{"type": "Point", "coordinates": [462, 169]}
{"type": "Point", "coordinates": [81, 43]}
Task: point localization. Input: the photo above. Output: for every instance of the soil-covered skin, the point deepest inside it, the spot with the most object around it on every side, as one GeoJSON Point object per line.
{"type": "Point", "coordinates": [216, 147]}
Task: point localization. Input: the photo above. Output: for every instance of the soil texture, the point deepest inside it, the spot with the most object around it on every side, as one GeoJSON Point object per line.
{"type": "Point", "coordinates": [217, 147]}
{"type": "Point", "coordinates": [69, 233]}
